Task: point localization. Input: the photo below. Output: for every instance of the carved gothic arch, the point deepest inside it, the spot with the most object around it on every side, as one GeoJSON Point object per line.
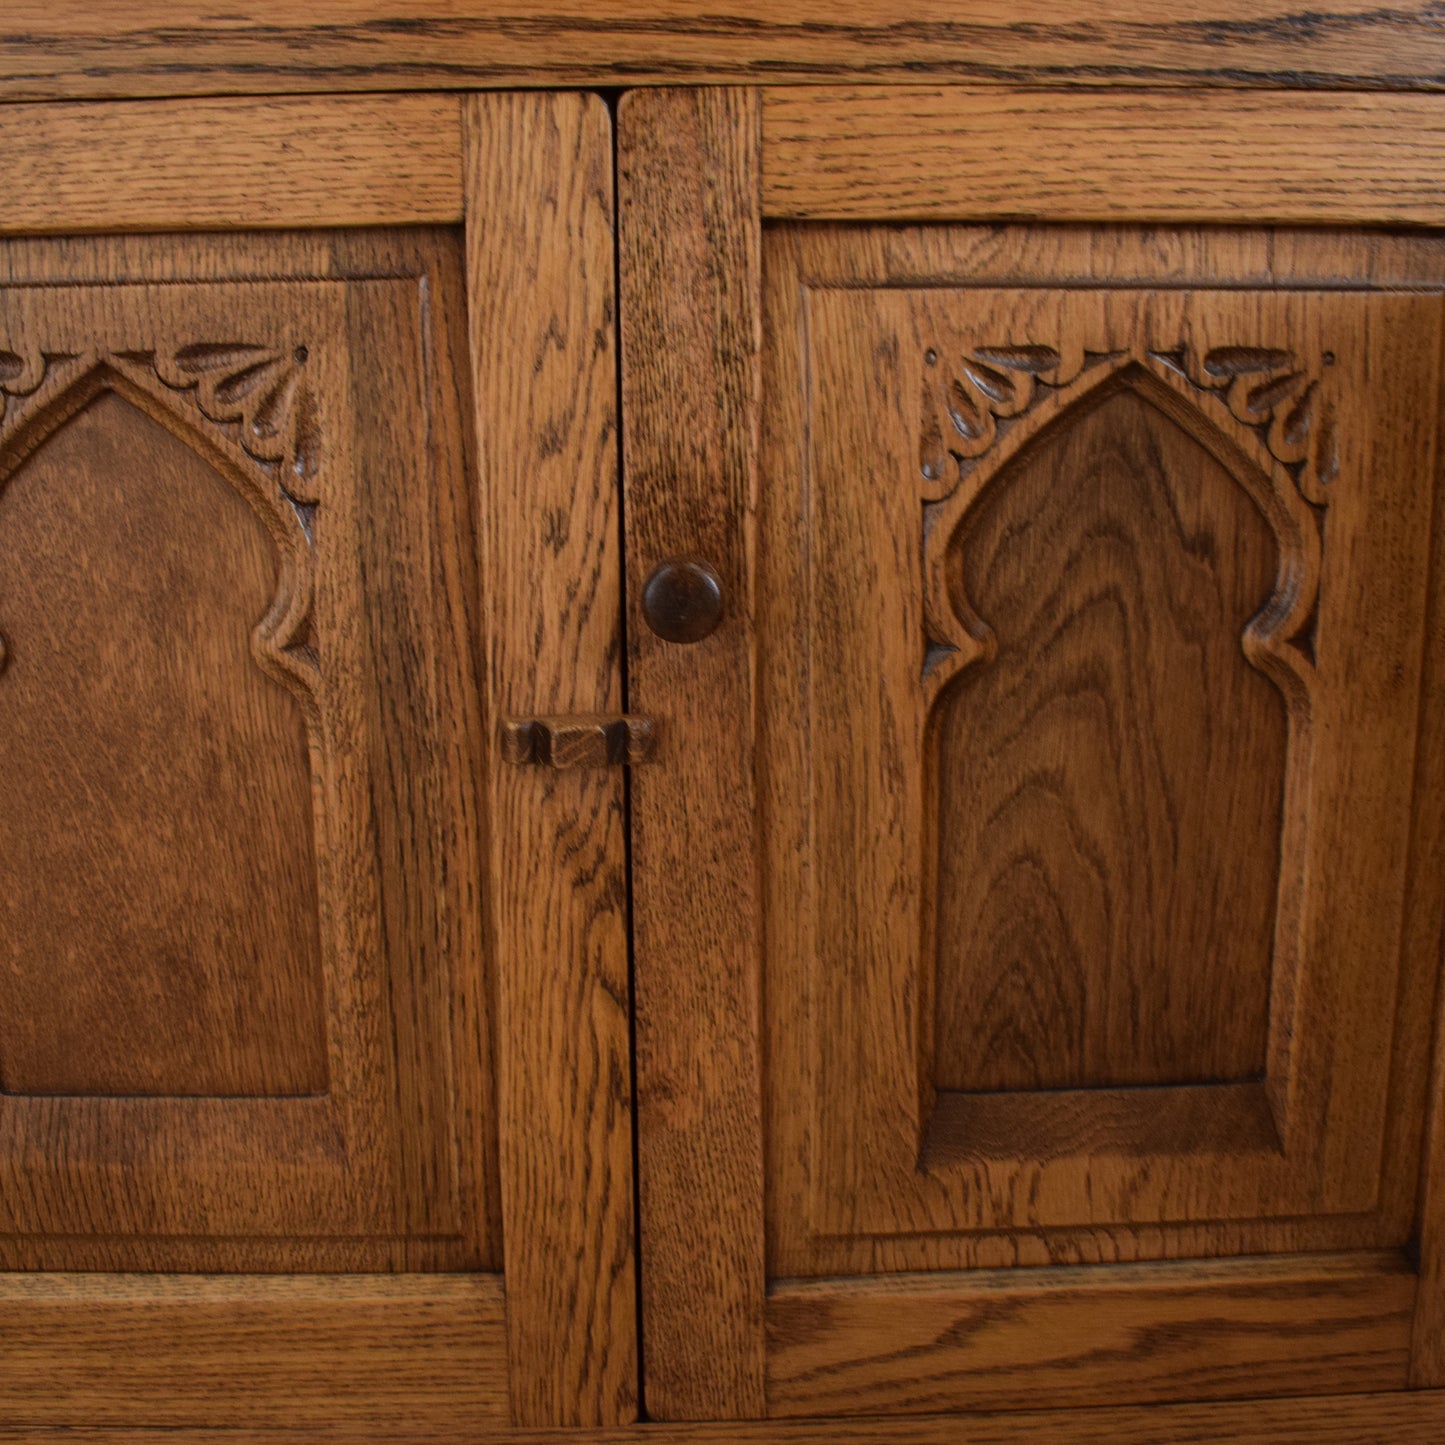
{"type": "Point", "coordinates": [46, 392]}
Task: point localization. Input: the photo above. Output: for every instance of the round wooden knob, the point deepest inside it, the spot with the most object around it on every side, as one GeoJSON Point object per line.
{"type": "Point", "coordinates": [682, 600]}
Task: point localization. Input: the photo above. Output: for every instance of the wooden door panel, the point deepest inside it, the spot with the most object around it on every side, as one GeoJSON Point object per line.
{"type": "Point", "coordinates": [1219, 608]}
{"type": "Point", "coordinates": [1094, 724]}
{"type": "Point", "coordinates": [241, 745]}
{"type": "Point", "coordinates": [1146, 787]}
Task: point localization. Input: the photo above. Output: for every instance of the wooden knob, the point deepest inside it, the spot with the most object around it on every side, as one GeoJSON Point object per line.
{"type": "Point", "coordinates": [682, 600]}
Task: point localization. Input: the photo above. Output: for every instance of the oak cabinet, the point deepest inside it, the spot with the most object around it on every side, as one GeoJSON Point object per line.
{"type": "Point", "coordinates": [982, 958]}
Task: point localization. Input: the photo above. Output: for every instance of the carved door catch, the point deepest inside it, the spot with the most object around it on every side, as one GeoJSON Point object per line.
{"type": "Point", "coordinates": [578, 741]}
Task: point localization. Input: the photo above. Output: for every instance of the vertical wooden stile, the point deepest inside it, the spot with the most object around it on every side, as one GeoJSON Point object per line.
{"type": "Point", "coordinates": [691, 239]}
{"type": "Point", "coordinates": [539, 225]}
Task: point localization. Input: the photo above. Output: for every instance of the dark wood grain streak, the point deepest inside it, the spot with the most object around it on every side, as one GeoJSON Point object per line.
{"type": "Point", "coordinates": [71, 48]}
{"type": "Point", "coordinates": [691, 256]}
{"type": "Point", "coordinates": [541, 313]}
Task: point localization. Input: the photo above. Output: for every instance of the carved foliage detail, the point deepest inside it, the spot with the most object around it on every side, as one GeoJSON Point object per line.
{"type": "Point", "coordinates": [972, 405]}
{"type": "Point", "coordinates": [966, 412]}
{"type": "Point", "coordinates": [261, 410]}
{"type": "Point", "coordinates": [261, 389]}
{"type": "Point", "coordinates": [1268, 389]}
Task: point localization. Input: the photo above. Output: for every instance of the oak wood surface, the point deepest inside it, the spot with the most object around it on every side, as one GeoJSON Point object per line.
{"type": "Point", "coordinates": [875, 782]}
{"type": "Point", "coordinates": [953, 153]}
{"type": "Point", "coordinates": [321, 399]}
{"type": "Point", "coordinates": [1410, 1417]}
{"type": "Point", "coordinates": [690, 255]}
{"type": "Point", "coordinates": [216, 164]}
{"type": "Point", "coordinates": [71, 48]}
{"type": "Point", "coordinates": [813, 272]}
{"type": "Point", "coordinates": [541, 315]}
{"type": "Point", "coordinates": [1105, 912]}
{"type": "Point", "coordinates": [303, 1353]}
{"type": "Point", "coordinates": [1083, 1336]}
{"type": "Point", "coordinates": [1068, 257]}
{"type": "Point", "coordinates": [152, 980]}
{"type": "Point", "coordinates": [1425, 911]}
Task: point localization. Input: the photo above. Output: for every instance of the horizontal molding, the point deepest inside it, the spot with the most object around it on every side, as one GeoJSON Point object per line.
{"type": "Point", "coordinates": [74, 48]}
{"type": "Point", "coordinates": [1089, 1335]}
{"type": "Point", "coordinates": [1402, 1417]}
{"type": "Point", "coordinates": [971, 154]}
{"type": "Point", "coordinates": [231, 164]}
{"type": "Point", "coordinates": [301, 1352]}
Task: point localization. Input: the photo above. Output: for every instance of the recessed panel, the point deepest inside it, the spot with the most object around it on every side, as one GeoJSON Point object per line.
{"type": "Point", "coordinates": [158, 890]}
{"type": "Point", "coordinates": [1110, 780]}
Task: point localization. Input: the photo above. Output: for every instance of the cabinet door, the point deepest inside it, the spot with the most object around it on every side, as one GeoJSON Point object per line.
{"type": "Point", "coordinates": [1065, 1037]}
{"type": "Point", "coordinates": [314, 1005]}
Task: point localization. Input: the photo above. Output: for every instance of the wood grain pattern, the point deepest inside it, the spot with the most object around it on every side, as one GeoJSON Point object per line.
{"type": "Point", "coordinates": [541, 315]}
{"type": "Point", "coordinates": [74, 48]}
{"type": "Point", "coordinates": [189, 963]}
{"type": "Point", "coordinates": [222, 164]}
{"type": "Point", "coordinates": [872, 608]}
{"type": "Point", "coordinates": [1008, 1339]}
{"type": "Point", "coordinates": [691, 255]}
{"type": "Point", "coordinates": [973, 256]}
{"type": "Point", "coordinates": [817, 433]}
{"type": "Point", "coordinates": [367, 620]}
{"type": "Point", "coordinates": [577, 740]}
{"type": "Point", "coordinates": [308, 1353]}
{"type": "Point", "coordinates": [1425, 929]}
{"type": "Point", "coordinates": [1106, 912]}
{"type": "Point", "coordinates": [1409, 1417]}
{"type": "Point", "coordinates": [913, 153]}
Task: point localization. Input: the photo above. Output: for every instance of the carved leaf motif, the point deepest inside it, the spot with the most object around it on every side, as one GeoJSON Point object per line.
{"type": "Point", "coordinates": [990, 385]}
{"type": "Point", "coordinates": [264, 391]}
{"type": "Point", "coordinates": [20, 375]}
{"type": "Point", "coordinates": [1270, 390]}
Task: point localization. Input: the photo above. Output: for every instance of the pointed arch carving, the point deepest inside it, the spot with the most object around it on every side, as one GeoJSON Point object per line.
{"type": "Point", "coordinates": [1265, 417]}
{"type": "Point", "coordinates": [246, 413]}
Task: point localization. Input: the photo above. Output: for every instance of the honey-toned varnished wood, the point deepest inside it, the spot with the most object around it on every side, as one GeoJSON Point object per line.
{"type": "Point", "coordinates": [1005, 1339]}
{"type": "Point", "coordinates": [954, 153]}
{"type": "Point", "coordinates": [542, 313]}
{"type": "Point", "coordinates": [215, 164]}
{"type": "Point", "coordinates": [349, 1357]}
{"type": "Point", "coordinates": [71, 48]}
{"type": "Point", "coordinates": [969, 426]}
{"type": "Point", "coordinates": [283, 886]}
{"type": "Point", "coordinates": [983, 256]}
{"type": "Point", "coordinates": [1106, 912]}
{"type": "Point", "coordinates": [1408, 1417]}
{"type": "Point", "coordinates": [205, 976]}
{"type": "Point", "coordinates": [690, 248]}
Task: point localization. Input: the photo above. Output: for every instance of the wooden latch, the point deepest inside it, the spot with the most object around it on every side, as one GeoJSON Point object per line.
{"type": "Point", "coordinates": [578, 741]}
